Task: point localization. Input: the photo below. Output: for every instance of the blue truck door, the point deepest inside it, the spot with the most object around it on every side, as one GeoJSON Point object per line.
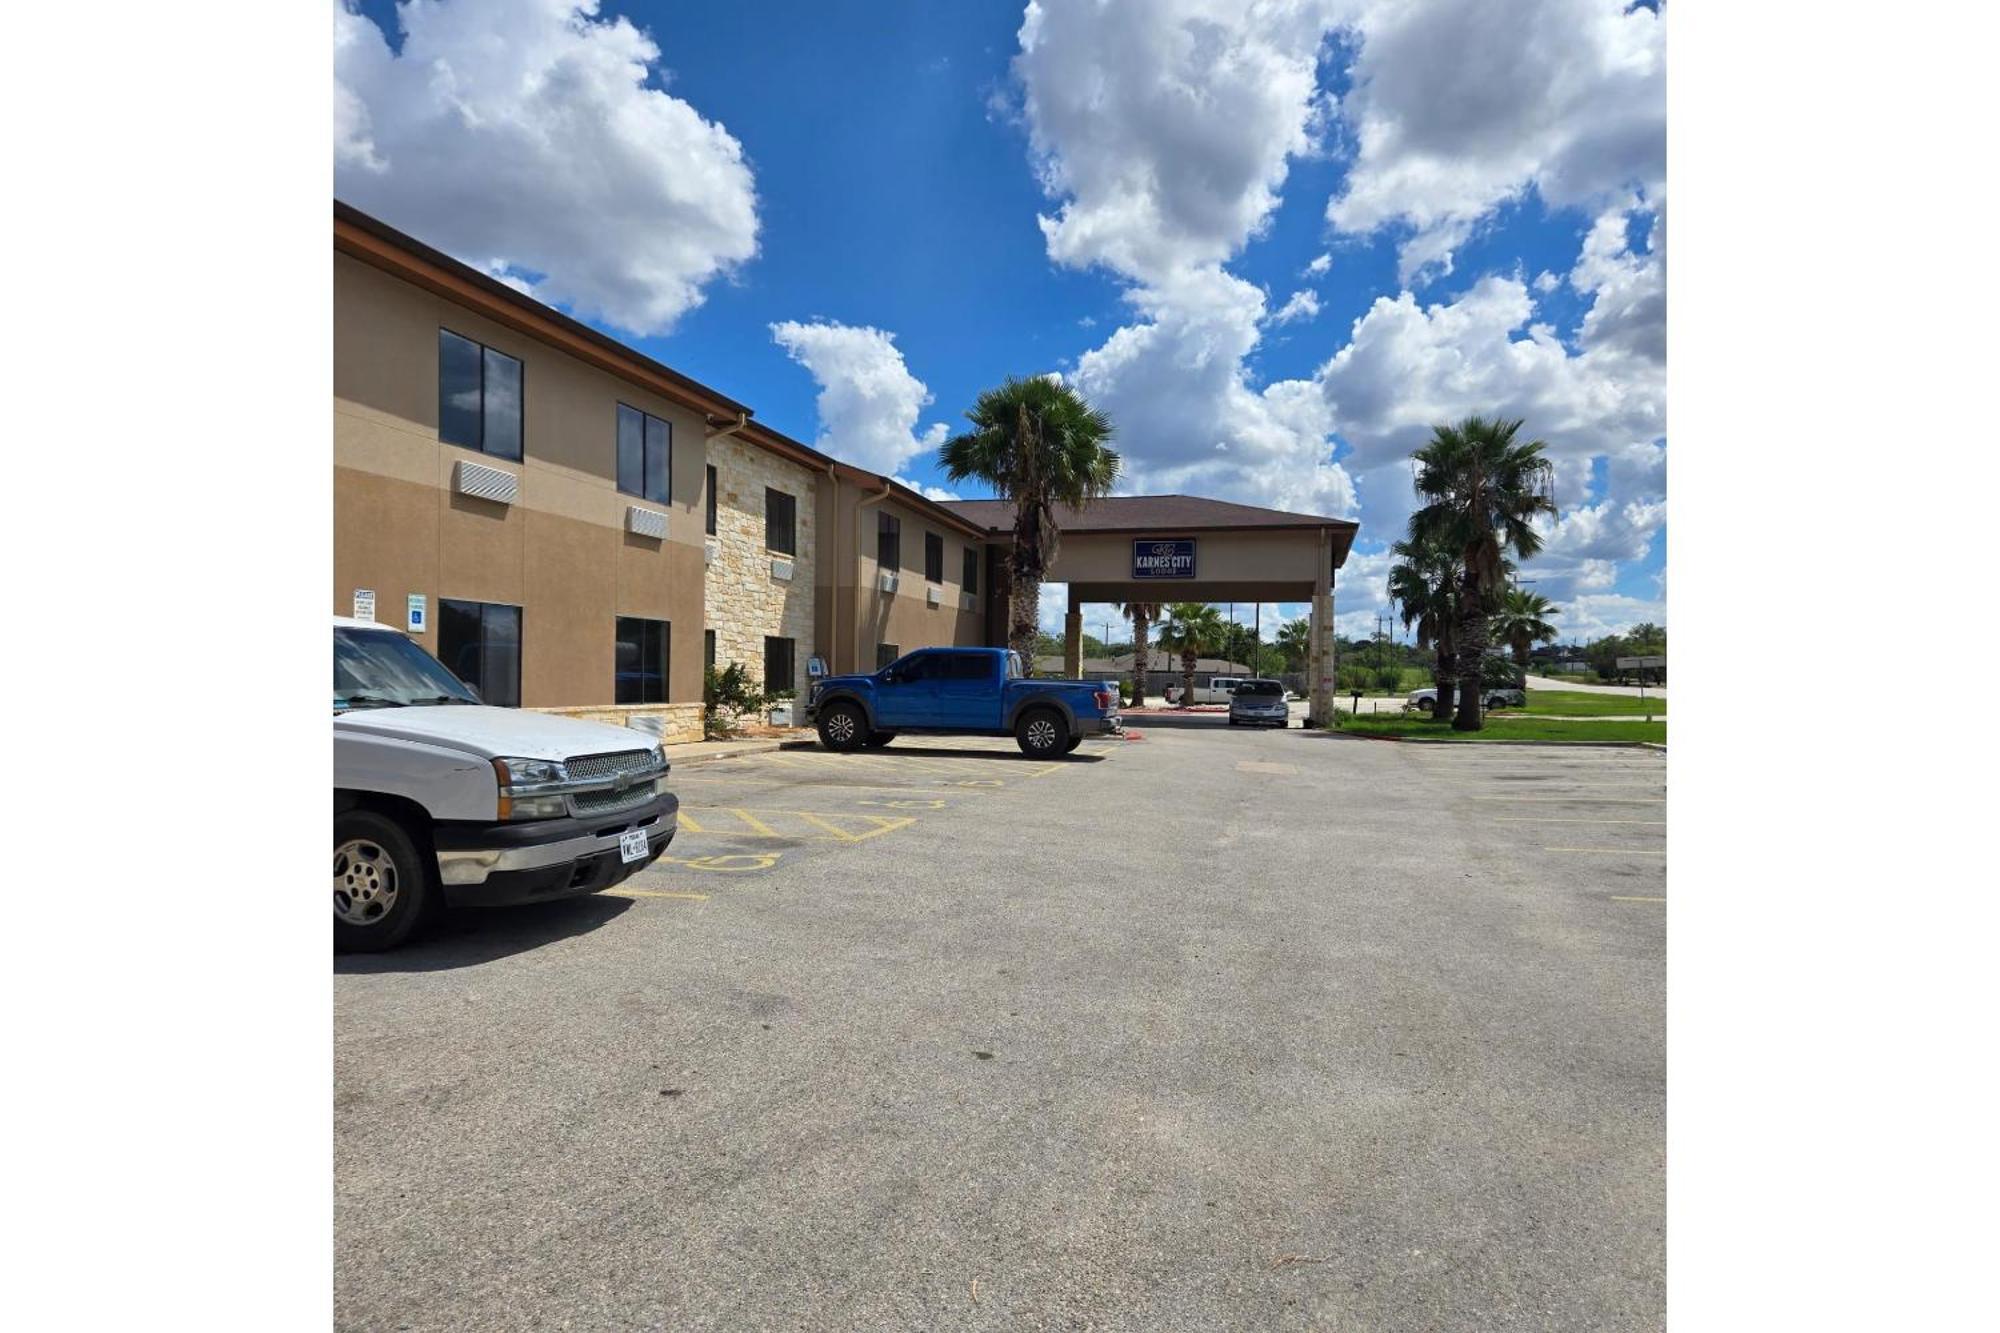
{"type": "Point", "coordinates": [969, 692]}
{"type": "Point", "coordinates": [906, 693]}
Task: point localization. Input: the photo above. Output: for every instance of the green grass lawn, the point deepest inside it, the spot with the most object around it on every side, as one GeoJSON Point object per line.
{"type": "Point", "coordinates": [1577, 703]}
{"type": "Point", "coordinates": [1506, 727]}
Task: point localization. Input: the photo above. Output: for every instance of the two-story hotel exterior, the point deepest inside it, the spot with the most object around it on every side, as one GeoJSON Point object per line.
{"type": "Point", "coordinates": [568, 523]}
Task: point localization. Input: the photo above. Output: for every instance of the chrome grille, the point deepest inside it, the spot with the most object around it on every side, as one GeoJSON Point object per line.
{"type": "Point", "coordinates": [590, 767]}
{"type": "Point", "coordinates": [609, 801]}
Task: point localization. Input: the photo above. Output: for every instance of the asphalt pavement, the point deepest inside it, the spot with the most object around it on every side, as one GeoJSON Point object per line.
{"type": "Point", "coordinates": [1212, 1029]}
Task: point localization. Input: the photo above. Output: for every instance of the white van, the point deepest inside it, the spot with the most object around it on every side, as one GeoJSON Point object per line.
{"type": "Point", "coordinates": [440, 799]}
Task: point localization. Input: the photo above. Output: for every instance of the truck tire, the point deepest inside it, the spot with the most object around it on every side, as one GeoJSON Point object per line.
{"type": "Point", "coordinates": [1069, 747]}
{"type": "Point", "coordinates": [842, 727]}
{"type": "Point", "coordinates": [878, 739]}
{"type": "Point", "coordinates": [382, 883]}
{"type": "Point", "coordinates": [1041, 732]}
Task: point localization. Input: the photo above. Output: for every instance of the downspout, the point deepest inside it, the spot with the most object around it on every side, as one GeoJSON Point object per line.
{"type": "Point", "coordinates": [717, 432]}
{"type": "Point", "coordinates": [867, 503]}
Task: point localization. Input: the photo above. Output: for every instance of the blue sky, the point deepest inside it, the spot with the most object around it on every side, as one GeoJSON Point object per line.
{"type": "Point", "coordinates": [835, 212]}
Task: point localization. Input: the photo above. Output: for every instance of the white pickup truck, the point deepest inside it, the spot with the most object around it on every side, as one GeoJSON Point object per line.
{"type": "Point", "coordinates": [440, 799]}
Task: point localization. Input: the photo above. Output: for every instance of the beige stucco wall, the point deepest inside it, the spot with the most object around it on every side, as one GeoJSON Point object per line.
{"type": "Point", "coordinates": [560, 552]}
{"type": "Point", "coordinates": [855, 615]}
{"type": "Point", "coordinates": [747, 600]}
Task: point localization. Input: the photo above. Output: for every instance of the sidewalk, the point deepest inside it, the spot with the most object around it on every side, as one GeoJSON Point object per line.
{"type": "Point", "coordinates": [701, 752]}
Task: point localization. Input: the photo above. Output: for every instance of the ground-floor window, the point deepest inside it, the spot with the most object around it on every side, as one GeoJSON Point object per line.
{"type": "Point", "coordinates": [708, 649]}
{"type": "Point", "coordinates": [886, 653]}
{"type": "Point", "coordinates": [481, 643]}
{"type": "Point", "coordinates": [778, 654]}
{"type": "Point", "coordinates": [640, 668]}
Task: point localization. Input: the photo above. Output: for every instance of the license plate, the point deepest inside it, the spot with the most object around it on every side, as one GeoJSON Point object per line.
{"type": "Point", "coordinates": [632, 846]}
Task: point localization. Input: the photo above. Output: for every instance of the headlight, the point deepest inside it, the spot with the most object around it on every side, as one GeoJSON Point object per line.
{"type": "Point", "coordinates": [524, 787]}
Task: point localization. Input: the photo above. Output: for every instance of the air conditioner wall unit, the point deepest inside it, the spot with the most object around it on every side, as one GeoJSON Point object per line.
{"type": "Point", "coordinates": [933, 596]}
{"type": "Point", "coordinates": [485, 483]}
{"type": "Point", "coordinates": [646, 522]}
{"type": "Point", "coordinates": [885, 583]}
{"type": "Point", "coordinates": [781, 569]}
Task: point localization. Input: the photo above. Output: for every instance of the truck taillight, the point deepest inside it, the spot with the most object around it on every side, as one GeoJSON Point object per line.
{"type": "Point", "coordinates": [1103, 698]}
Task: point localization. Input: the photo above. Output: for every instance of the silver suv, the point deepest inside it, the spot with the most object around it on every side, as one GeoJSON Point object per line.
{"type": "Point", "coordinates": [1259, 703]}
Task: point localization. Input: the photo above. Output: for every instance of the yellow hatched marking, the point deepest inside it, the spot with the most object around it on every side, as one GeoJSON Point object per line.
{"type": "Point", "coordinates": [688, 823]}
{"type": "Point", "coordinates": [756, 825]}
{"type": "Point", "coordinates": [883, 824]}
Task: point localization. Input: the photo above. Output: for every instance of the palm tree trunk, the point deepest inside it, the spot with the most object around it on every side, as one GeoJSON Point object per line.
{"type": "Point", "coordinates": [1140, 659]}
{"type": "Point", "coordinates": [1442, 676]}
{"type": "Point", "coordinates": [1188, 661]}
{"type": "Point", "coordinates": [1024, 616]}
{"type": "Point", "coordinates": [1471, 647]}
{"type": "Point", "coordinates": [1521, 655]}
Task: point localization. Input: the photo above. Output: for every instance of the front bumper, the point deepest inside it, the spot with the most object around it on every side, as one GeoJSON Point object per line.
{"type": "Point", "coordinates": [490, 865]}
{"type": "Point", "coordinates": [1262, 719]}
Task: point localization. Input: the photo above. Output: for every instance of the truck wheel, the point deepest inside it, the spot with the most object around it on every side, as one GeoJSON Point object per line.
{"type": "Point", "coordinates": [1070, 745]}
{"type": "Point", "coordinates": [841, 727]}
{"type": "Point", "coordinates": [381, 883]}
{"type": "Point", "coordinates": [1041, 733]}
{"type": "Point", "coordinates": [878, 739]}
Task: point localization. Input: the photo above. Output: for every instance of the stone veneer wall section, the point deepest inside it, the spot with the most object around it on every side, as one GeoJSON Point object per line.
{"type": "Point", "coordinates": [746, 602]}
{"type": "Point", "coordinates": [674, 724]}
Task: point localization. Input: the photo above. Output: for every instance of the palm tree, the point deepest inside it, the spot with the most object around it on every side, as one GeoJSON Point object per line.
{"type": "Point", "coordinates": [1295, 642]}
{"type": "Point", "coordinates": [1141, 614]}
{"type": "Point", "coordinates": [1481, 491]}
{"type": "Point", "coordinates": [1038, 443]}
{"type": "Point", "coordinates": [1522, 622]}
{"type": "Point", "coordinates": [1192, 628]}
{"type": "Point", "coordinates": [1424, 584]}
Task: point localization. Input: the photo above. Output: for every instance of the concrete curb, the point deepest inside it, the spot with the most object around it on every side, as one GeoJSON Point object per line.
{"type": "Point", "coordinates": [767, 745]}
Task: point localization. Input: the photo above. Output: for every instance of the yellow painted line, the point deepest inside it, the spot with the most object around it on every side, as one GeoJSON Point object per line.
{"type": "Point", "coordinates": [1045, 771]}
{"type": "Point", "coordinates": [688, 824]}
{"type": "Point", "coordinates": [755, 824]}
{"type": "Point", "coordinates": [845, 786]}
{"type": "Point", "coordinates": [1607, 851]}
{"type": "Point", "coordinates": [654, 893]}
{"type": "Point", "coordinates": [1618, 899]}
{"type": "Point", "coordinates": [883, 824]}
{"type": "Point", "coordinates": [1537, 819]}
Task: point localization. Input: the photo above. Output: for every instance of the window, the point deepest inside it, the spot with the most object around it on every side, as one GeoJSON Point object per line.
{"type": "Point", "coordinates": [777, 665]}
{"type": "Point", "coordinates": [711, 499]}
{"type": "Point", "coordinates": [645, 455]}
{"type": "Point", "coordinates": [886, 653]}
{"type": "Point", "coordinates": [479, 397]}
{"type": "Point", "coordinates": [640, 668]}
{"type": "Point", "coordinates": [708, 649]}
{"type": "Point", "coordinates": [972, 569]}
{"type": "Point", "coordinates": [888, 542]}
{"type": "Point", "coordinates": [481, 643]}
{"type": "Point", "coordinates": [933, 558]}
{"type": "Point", "coordinates": [781, 521]}
{"type": "Point", "coordinates": [968, 666]}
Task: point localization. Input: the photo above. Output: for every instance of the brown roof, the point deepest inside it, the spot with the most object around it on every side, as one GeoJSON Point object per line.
{"type": "Point", "coordinates": [1160, 515]}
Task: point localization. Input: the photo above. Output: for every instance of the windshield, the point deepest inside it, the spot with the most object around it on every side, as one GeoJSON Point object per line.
{"type": "Point", "coordinates": [1268, 688]}
{"type": "Point", "coordinates": [382, 669]}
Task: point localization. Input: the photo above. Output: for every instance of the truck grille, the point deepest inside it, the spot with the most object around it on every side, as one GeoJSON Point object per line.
{"type": "Point", "coordinates": [590, 767]}
{"type": "Point", "coordinates": [608, 801]}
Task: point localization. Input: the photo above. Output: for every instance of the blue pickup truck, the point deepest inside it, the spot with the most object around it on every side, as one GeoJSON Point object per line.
{"type": "Point", "coordinates": [976, 691]}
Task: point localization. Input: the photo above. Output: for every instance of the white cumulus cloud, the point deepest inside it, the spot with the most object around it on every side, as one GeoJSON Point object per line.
{"type": "Point", "coordinates": [868, 399]}
{"type": "Point", "coordinates": [1304, 304]}
{"type": "Point", "coordinates": [523, 136]}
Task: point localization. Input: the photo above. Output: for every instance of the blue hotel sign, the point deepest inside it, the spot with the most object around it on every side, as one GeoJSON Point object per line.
{"type": "Point", "coordinates": [1152, 559]}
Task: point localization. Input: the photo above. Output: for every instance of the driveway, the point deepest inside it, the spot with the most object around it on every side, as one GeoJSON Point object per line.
{"type": "Point", "coordinates": [1213, 1029]}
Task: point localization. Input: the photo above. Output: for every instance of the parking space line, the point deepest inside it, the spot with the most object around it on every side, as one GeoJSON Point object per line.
{"type": "Point", "coordinates": [654, 893]}
{"type": "Point", "coordinates": [1619, 898]}
{"type": "Point", "coordinates": [1537, 819]}
{"type": "Point", "coordinates": [756, 825]}
{"type": "Point", "coordinates": [688, 823]}
{"type": "Point", "coordinates": [1578, 800]}
{"type": "Point", "coordinates": [1607, 851]}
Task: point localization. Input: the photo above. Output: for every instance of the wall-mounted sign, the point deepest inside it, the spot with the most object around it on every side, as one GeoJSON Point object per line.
{"type": "Point", "coordinates": [364, 604]}
{"type": "Point", "coordinates": [1172, 559]}
{"type": "Point", "coordinates": [417, 613]}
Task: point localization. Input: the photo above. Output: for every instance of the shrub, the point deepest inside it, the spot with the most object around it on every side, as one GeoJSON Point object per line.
{"type": "Point", "coordinates": [1389, 679]}
{"type": "Point", "coordinates": [728, 694]}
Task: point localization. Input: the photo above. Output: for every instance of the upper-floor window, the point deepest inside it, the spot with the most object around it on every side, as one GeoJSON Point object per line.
{"type": "Point", "coordinates": [933, 558]}
{"type": "Point", "coordinates": [888, 541]}
{"type": "Point", "coordinates": [711, 499]}
{"type": "Point", "coordinates": [479, 397]}
{"type": "Point", "coordinates": [972, 569]}
{"type": "Point", "coordinates": [781, 521]}
{"type": "Point", "coordinates": [645, 455]}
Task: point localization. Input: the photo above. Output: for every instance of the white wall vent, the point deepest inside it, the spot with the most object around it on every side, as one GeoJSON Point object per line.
{"type": "Point", "coordinates": [967, 602]}
{"type": "Point", "coordinates": [932, 596]}
{"type": "Point", "coordinates": [781, 570]}
{"type": "Point", "coordinates": [710, 549]}
{"type": "Point", "coordinates": [486, 483]}
{"type": "Point", "coordinates": [885, 583]}
{"type": "Point", "coordinates": [646, 522]}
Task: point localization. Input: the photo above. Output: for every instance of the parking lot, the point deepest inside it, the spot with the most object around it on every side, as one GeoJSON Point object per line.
{"type": "Point", "coordinates": [1207, 1029]}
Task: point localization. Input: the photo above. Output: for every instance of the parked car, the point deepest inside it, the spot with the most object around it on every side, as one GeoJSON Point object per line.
{"type": "Point", "coordinates": [961, 691]}
{"type": "Point", "coordinates": [1259, 703]}
{"type": "Point", "coordinates": [1425, 700]}
{"type": "Point", "coordinates": [1217, 690]}
{"type": "Point", "coordinates": [440, 799]}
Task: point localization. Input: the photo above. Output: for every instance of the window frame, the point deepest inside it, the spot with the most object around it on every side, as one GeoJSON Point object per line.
{"type": "Point", "coordinates": [447, 607]}
{"type": "Point", "coordinates": [889, 538]}
{"type": "Point", "coordinates": [646, 421]}
{"type": "Point", "coordinates": [665, 629]}
{"type": "Point", "coordinates": [712, 488]}
{"type": "Point", "coordinates": [791, 653]}
{"type": "Point", "coordinates": [934, 544]}
{"type": "Point", "coordinates": [969, 580]}
{"type": "Point", "coordinates": [479, 412]}
{"type": "Point", "coordinates": [791, 534]}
